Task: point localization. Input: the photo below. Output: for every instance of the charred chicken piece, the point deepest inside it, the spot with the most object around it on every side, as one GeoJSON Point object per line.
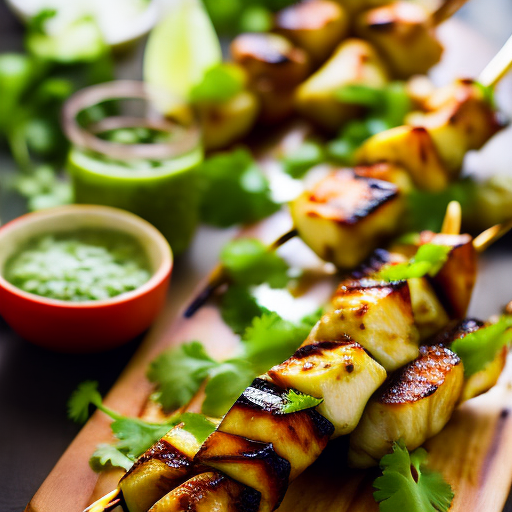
{"type": "Point", "coordinates": [345, 216]}
{"type": "Point", "coordinates": [403, 32]}
{"type": "Point", "coordinates": [258, 414]}
{"type": "Point", "coordinates": [251, 463]}
{"type": "Point", "coordinates": [414, 405]}
{"type": "Point", "coordinates": [339, 372]}
{"type": "Point", "coordinates": [316, 26]}
{"type": "Point", "coordinates": [159, 470]}
{"type": "Point", "coordinates": [275, 67]}
{"type": "Point", "coordinates": [378, 316]}
{"type": "Point", "coordinates": [209, 492]}
{"type": "Point", "coordinates": [354, 62]}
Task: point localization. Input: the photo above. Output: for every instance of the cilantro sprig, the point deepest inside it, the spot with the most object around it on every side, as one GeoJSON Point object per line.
{"type": "Point", "coordinates": [134, 436]}
{"type": "Point", "coordinates": [180, 372]}
{"type": "Point", "coordinates": [429, 259]}
{"type": "Point", "coordinates": [479, 348]}
{"type": "Point", "coordinates": [407, 484]}
{"type": "Point", "coordinates": [296, 402]}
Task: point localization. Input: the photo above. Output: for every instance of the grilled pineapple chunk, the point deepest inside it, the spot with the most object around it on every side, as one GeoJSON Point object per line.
{"type": "Point", "coordinates": [161, 468]}
{"type": "Point", "coordinates": [485, 379]}
{"type": "Point", "coordinates": [252, 463]}
{"type": "Point", "coordinates": [455, 281]}
{"type": "Point", "coordinates": [411, 148]}
{"type": "Point", "coordinates": [316, 26]}
{"type": "Point", "coordinates": [258, 414]}
{"type": "Point", "coordinates": [275, 67]}
{"type": "Point", "coordinates": [340, 372]}
{"type": "Point", "coordinates": [209, 492]}
{"type": "Point", "coordinates": [404, 34]}
{"type": "Point", "coordinates": [416, 404]}
{"type": "Point", "coordinates": [376, 315]}
{"type": "Point", "coordinates": [345, 216]}
{"type": "Point", "coordinates": [387, 172]}
{"type": "Point", "coordinates": [459, 118]}
{"type": "Point", "coordinates": [354, 62]}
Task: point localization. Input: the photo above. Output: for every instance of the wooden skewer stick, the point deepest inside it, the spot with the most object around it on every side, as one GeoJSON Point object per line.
{"type": "Point", "coordinates": [452, 219]}
{"type": "Point", "coordinates": [446, 10]}
{"type": "Point", "coordinates": [106, 503]}
{"type": "Point", "coordinates": [491, 235]}
{"type": "Point", "coordinates": [498, 67]}
{"type": "Point", "coordinates": [218, 276]}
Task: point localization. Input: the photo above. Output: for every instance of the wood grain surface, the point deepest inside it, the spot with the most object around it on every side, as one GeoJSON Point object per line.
{"type": "Point", "coordinates": [473, 451]}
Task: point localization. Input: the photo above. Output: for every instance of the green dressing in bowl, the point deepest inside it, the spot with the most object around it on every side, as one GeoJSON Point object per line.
{"type": "Point", "coordinates": [85, 265]}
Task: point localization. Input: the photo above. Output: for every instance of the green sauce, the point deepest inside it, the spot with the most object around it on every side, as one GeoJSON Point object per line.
{"type": "Point", "coordinates": [82, 266]}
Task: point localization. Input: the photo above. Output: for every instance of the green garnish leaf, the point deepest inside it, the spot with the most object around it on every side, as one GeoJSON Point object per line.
{"type": "Point", "coordinates": [406, 484]}
{"type": "Point", "coordinates": [358, 94]}
{"type": "Point", "coordinates": [220, 83]}
{"type": "Point", "coordinates": [477, 349]}
{"type": "Point", "coordinates": [85, 395]}
{"type": "Point", "coordinates": [107, 455]}
{"type": "Point", "coordinates": [297, 163]}
{"type": "Point", "coordinates": [199, 426]}
{"type": "Point", "coordinates": [235, 191]}
{"type": "Point", "coordinates": [429, 259]}
{"type": "Point", "coordinates": [225, 385]}
{"type": "Point", "coordinates": [299, 402]}
{"type": "Point", "coordinates": [248, 262]}
{"type": "Point", "coordinates": [239, 307]}
{"type": "Point", "coordinates": [179, 372]}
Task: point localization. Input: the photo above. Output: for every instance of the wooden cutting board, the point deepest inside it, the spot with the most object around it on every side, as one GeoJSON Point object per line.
{"type": "Point", "coordinates": [473, 451]}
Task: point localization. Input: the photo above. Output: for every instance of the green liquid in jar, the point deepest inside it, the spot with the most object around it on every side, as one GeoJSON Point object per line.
{"type": "Point", "coordinates": [86, 265]}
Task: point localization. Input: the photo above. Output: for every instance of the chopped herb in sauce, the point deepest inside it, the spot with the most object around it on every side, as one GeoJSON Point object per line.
{"type": "Point", "coordinates": [84, 266]}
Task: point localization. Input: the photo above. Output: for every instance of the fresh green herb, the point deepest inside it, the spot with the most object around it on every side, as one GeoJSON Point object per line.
{"type": "Point", "coordinates": [297, 163]}
{"type": "Point", "coordinates": [256, 19]}
{"type": "Point", "coordinates": [239, 307]}
{"type": "Point", "coordinates": [248, 261]}
{"type": "Point", "coordinates": [134, 435]}
{"type": "Point", "coordinates": [479, 348]}
{"type": "Point", "coordinates": [220, 83]}
{"type": "Point", "coordinates": [406, 484]}
{"type": "Point", "coordinates": [429, 259]}
{"type": "Point", "coordinates": [362, 95]}
{"type": "Point", "coordinates": [298, 402]}
{"type": "Point", "coordinates": [179, 372]}
{"type": "Point", "coordinates": [235, 191]}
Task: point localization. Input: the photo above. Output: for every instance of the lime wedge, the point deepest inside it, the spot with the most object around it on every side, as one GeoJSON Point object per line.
{"type": "Point", "coordinates": [180, 49]}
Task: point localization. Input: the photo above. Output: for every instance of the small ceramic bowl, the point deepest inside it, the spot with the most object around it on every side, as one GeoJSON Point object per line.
{"type": "Point", "coordinates": [84, 326]}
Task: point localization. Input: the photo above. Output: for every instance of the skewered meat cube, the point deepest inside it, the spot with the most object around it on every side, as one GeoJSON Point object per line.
{"type": "Point", "coordinates": [414, 405]}
{"type": "Point", "coordinates": [161, 468]}
{"type": "Point", "coordinates": [275, 67]}
{"type": "Point", "coordinates": [403, 33]}
{"type": "Point", "coordinates": [316, 26]}
{"type": "Point", "coordinates": [411, 148]}
{"type": "Point", "coordinates": [353, 62]}
{"type": "Point", "coordinates": [340, 372]}
{"type": "Point", "coordinates": [482, 381]}
{"type": "Point", "coordinates": [378, 316]}
{"type": "Point", "coordinates": [298, 437]}
{"type": "Point", "coordinates": [345, 216]}
{"type": "Point", "coordinates": [209, 492]}
{"type": "Point", "coordinates": [252, 463]}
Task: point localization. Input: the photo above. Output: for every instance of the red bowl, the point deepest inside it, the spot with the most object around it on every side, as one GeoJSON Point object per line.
{"type": "Point", "coordinates": [84, 326]}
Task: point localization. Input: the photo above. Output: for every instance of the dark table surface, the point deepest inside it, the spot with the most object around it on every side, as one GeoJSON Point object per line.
{"type": "Point", "coordinates": [35, 384]}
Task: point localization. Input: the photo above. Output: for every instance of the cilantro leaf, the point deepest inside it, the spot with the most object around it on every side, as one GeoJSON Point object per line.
{"type": "Point", "coordinates": [78, 405]}
{"type": "Point", "coordinates": [199, 426]}
{"type": "Point", "coordinates": [429, 259]}
{"type": "Point", "coordinates": [270, 339]}
{"type": "Point", "coordinates": [179, 373]}
{"type": "Point", "coordinates": [248, 261]}
{"type": "Point", "coordinates": [406, 484]}
{"type": "Point", "coordinates": [239, 307]}
{"type": "Point", "coordinates": [235, 191]}
{"type": "Point", "coordinates": [359, 94]}
{"type": "Point", "coordinates": [297, 163]}
{"type": "Point", "coordinates": [220, 83]}
{"type": "Point", "coordinates": [108, 455]}
{"type": "Point", "coordinates": [226, 384]}
{"type": "Point", "coordinates": [479, 348]}
{"type": "Point", "coordinates": [299, 401]}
